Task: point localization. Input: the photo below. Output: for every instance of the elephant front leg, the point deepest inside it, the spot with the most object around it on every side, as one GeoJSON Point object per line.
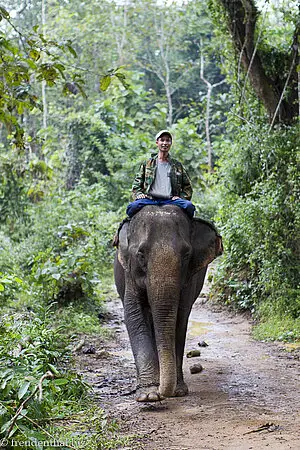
{"type": "Point", "coordinates": [138, 322]}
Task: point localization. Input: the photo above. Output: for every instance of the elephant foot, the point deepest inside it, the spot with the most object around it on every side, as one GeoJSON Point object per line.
{"type": "Point", "coordinates": [149, 394]}
{"type": "Point", "coordinates": [181, 389]}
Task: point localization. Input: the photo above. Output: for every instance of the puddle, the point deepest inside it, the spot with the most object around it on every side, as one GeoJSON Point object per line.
{"type": "Point", "coordinates": [122, 353]}
{"type": "Point", "coordinates": [292, 346]}
{"type": "Point", "coordinates": [196, 328]}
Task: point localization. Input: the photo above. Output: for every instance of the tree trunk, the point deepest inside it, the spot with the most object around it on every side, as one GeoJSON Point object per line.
{"type": "Point", "coordinates": [242, 19]}
{"type": "Point", "coordinates": [44, 97]}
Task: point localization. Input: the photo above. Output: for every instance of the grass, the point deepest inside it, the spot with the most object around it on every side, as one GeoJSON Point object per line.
{"type": "Point", "coordinates": [284, 329]}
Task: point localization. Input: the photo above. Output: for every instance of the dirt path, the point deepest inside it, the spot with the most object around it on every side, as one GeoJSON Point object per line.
{"type": "Point", "coordinates": [244, 385]}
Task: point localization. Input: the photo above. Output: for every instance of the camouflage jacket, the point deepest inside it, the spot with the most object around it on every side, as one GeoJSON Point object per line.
{"type": "Point", "coordinates": [180, 182]}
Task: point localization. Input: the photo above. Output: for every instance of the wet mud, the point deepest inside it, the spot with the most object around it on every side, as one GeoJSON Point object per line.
{"type": "Point", "coordinates": [246, 397]}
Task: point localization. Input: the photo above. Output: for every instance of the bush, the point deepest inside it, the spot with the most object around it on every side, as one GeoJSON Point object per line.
{"type": "Point", "coordinates": [261, 217]}
{"type": "Point", "coordinates": [37, 381]}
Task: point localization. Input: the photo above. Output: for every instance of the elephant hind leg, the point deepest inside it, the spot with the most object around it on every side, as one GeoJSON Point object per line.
{"type": "Point", "coordinates": [181, 389]}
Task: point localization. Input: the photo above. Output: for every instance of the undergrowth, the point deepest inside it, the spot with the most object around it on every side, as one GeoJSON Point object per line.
{"type": "Point", "coordinates": [55, 276]}
{"type": "Point", "coordinates": [43, 401]}
{"type": "Point", "coordinates": [260, 221]}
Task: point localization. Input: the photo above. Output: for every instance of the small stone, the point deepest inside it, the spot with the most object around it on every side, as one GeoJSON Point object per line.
{"type": "Point", "coordinates": [197, 368]}
{"type": "Point", "coordinates": [89, 351]}
{"type": "Point", "coordinates": [193, 353]}
{"type": "Point", "coordinates": [202, 344]}
{"type": "Point", "coordinates": [102, 354]}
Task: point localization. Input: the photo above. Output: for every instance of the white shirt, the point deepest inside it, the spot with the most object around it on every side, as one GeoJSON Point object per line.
{"type": "Point", "coordinates": [161, 186]}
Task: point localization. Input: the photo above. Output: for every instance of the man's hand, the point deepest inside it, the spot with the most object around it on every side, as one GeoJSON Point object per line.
{"type": "Point", "coordinates": [175, 198]}
{"type": "Point", "coordinates": [141, 196]}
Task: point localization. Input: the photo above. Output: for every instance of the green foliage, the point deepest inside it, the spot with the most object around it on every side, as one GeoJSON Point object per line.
{"type": "Point", "coordinates": [8, 283]}
{"type": "Point", "coordinates": [282, 329]}
{"type": "Point", "coordinates": [67, 250]}
{"type": "Point", "coordinates": [37, 382]}
{"type": "Point", "coordinates": [260, 217]}
{"type": "Point", "coordinates": [38, 58]}
{"type": "Point", "coordinates": [93, 430]}
{"type": "Point", "coordinates": [257, 182]}
{"type": "Point", "coordinates": [38, 390]}
{"type": "Point", "coordinates": [13, 199]}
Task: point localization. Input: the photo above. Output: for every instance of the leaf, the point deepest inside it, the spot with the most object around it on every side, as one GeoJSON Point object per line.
{"type": "Point", "coordinates": [31, 64]}
{"type": "Point", "coordinates": [105, 82]}
{"type": "Point", "coordinates": [34, 54]}
{"type": "Point", "coordinates": [71, 50]}
{"type": "Point", "coordinates": [1, 287]}
{"type": "Point", "coordinates": [32, 434]}
{"type": "Point", "coordinates": [53, 369]}
{"type": "Point", "coordinates": [60, 67]}
{"type": "Point", "coordinates": [23, 389]}
{"type": "Point", "coordinates": [5, 426]}
{"type": "Point", "coordinates": [4, 13]}
{"type": "Point", "coordinates": [61, 381]}
{"type": "Point", "coordinates": [23, 413]}
{"type": "Point", "coordinates": [56, 276]}
{"type": "Point", "coordinates": [122, 78]}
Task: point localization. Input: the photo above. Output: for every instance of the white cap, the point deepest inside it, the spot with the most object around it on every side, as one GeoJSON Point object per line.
{"type": "Point", "coordinates": [160, 133]}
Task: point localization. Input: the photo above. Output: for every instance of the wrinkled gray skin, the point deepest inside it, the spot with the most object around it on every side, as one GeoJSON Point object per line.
{"type": "Point", "coordinates": [160, 268]}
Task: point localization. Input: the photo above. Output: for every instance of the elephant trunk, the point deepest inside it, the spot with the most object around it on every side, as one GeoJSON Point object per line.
{"type": "Point", "coordinates": [164, 293]}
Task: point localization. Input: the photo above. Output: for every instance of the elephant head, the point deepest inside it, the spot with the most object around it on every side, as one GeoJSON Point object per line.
{"type": "Point", "coordinates": [161, 250]}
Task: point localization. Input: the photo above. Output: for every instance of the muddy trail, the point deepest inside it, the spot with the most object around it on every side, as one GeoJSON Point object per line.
{"type": "Point", "coordinates": [246, 397]}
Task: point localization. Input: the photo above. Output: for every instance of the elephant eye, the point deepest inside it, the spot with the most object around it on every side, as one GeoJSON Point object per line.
{"type": "Point", "coordinates": [140, 255]}
{"type": "Point", "coordinates": [186, 254]}
{"type": "Point", "coordinates": [141, 259]}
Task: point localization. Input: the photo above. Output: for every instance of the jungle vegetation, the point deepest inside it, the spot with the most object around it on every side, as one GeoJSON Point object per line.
{"type": "Point", "coordinates": [84, 87]}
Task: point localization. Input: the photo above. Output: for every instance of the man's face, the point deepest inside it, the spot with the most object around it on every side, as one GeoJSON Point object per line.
{"type": "Point", "coordinates": [164, 143]}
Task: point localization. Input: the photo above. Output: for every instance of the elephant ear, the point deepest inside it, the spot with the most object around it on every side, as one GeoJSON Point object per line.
{"type": "Point", "coordinates": [206, 243]}
{"type": "Point", "coordinates": [123, 252]}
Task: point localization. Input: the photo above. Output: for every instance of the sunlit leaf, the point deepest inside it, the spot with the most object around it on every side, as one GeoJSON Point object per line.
{"type": "Point", "coordinates": [105, 82]}
{"type": "Point", "coordinates": [34, 54]}
{"type": "Point", "coordinates": [5, 426]}
{"type": "Point", "coordinates": [53, 369]}
{"type": "Point", "coordinates": [56, 276]}
{"type": "Point", "coordinates": [61, 381]}
{"type": "Point", "coordinates": [23, 389]}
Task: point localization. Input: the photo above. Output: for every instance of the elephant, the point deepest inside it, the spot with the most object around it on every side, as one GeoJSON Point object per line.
{"type": "Point", "coordinates": [159, 271]}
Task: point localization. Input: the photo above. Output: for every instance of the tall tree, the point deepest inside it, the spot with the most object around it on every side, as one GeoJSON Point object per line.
{"type": "Point", "coordinates": [44, 97]}
{"type": "Point", "coordinates": [272, 72]}
{"type": "Point", "coordinates": [159, 30]}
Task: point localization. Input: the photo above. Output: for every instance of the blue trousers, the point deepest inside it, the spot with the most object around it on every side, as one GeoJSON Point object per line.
{"type": "Point", "coordinates": [135, 206]}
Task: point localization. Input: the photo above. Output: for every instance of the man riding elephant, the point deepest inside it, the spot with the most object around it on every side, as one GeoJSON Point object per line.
{"type": "Point", "coordinates": [162, 180]}
{"type": "Point", "coordinates": [160, 266]}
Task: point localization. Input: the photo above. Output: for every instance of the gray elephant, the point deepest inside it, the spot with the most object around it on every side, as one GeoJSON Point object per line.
{"type": "Point", "coordinates": [160, 268]}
